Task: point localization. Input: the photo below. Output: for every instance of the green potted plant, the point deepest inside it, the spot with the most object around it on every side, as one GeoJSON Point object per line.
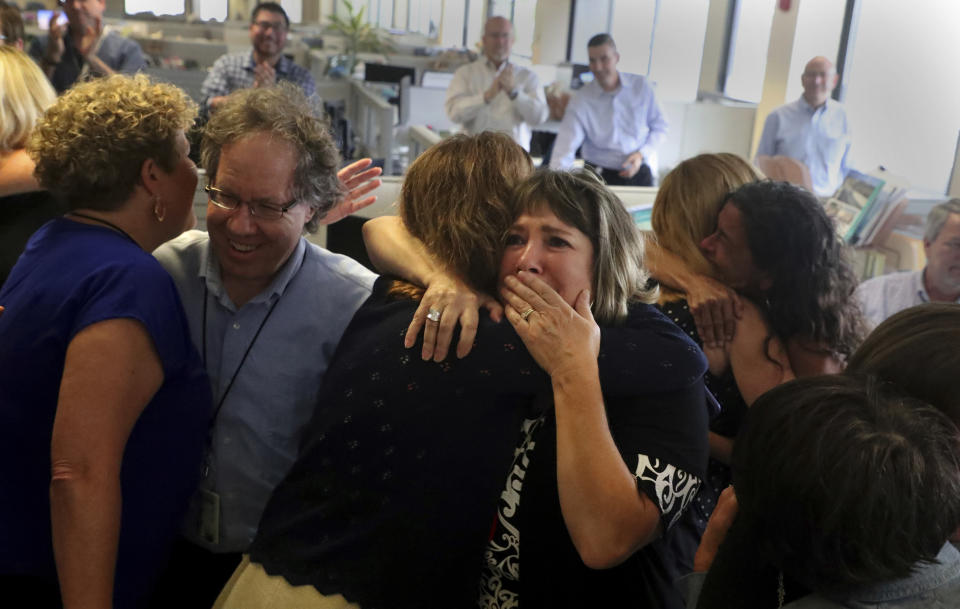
{"type": "Point", "coordinates": [360, 36]}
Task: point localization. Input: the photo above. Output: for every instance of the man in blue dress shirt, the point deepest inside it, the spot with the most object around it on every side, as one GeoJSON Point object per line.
{"type": "Point", "coordinates": [617, 120]}
{"type": "Point", "coordinates": [813, 130]}
{"type": "Point", "coordinates": [262, 66]}
{"type": "Point", "coordinates": [266, 311]}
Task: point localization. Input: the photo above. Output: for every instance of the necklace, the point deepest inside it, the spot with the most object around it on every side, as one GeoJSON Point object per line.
{"type": "Point", "coordinates": [106, 223]}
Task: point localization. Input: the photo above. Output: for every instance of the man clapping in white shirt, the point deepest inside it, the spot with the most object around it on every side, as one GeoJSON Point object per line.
{"type": "Point", "coordinates": [492, 94]}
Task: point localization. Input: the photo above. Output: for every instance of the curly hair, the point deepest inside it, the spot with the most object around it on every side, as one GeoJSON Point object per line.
{"type": "Point", "coordinates": [26, 94]}
{"type": "Point", "coordinates": [91, 144]}
{"type": "Point", "coordinates": [457, 198]}
{"type": "Point", "coordinates": [845, 482]}
{"type": "Point", "coordinates": [689, 199]}
{"type": "Point", "coordinates": [812, 283]}
{"type": "Point", "coordinates": [580, 199]}
{"type": "Point", "coordinates": [284, 112]}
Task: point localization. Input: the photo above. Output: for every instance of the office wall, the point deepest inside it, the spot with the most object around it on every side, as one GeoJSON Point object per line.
{"type": "Point", "coordinates": [903, 95]}
{"type": "Point", "coordinates": [551, 31]}
{"type": "Point", "coordinates": [777, 73]}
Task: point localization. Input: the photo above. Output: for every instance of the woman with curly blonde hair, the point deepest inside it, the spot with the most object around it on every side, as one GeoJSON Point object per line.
{"type": "Point", "coordinates": [24, 205]}
{"type": "Point", "coordinates": [105, 401]}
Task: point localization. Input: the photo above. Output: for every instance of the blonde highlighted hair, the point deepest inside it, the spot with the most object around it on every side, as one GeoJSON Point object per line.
{"type": "Point", "coordinates": [26, 94]}
{"type": "Point", "coordinates": [91, 144]}
{"type": "Point", "coordinates": [689, 200]}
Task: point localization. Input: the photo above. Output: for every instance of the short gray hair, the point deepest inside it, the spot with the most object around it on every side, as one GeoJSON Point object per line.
{"type": "Point", "coordinates": [938, 217]}
{"type": "Point", "coordinates": [598, 40]}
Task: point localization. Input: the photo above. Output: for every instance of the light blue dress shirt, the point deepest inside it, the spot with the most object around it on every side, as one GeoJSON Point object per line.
{"type": "Point", "coordinates": [257, 431]}
{"type": "Point", "coordinates": [886, 295]}
{"type": "Point", "coordinates": [817, 137]}
{"type": "Point", "coordinates": [611, 125]}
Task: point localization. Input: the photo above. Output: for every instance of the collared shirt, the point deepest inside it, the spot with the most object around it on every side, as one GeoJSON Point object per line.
{"type": "Point", "coordinates": [234, 71]}
{"type": "Point", "coordinates": [119, 53]}
{"type": "Point", "coordinates": [883, 296]}
{"type": "Point", "coordinates": [930, 585]}
{"type": "Point", "coordinates": [611, 125]}
{"type": "Point", "coordinates": [817, 137]}
{"type": "Point", "coordinates": [465, 103]}
{"type": "Point", "coordinates": [257, 430]}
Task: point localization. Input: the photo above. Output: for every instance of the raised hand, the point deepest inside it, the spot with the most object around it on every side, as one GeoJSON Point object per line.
{"type": "Point", "coordinates": [715, 308]}
{"type": "Point", "coordinates": [264, 75]}
{"type": "Point", "coordinates": [632, 165]}
{"type": "Point", "coordinates": [91, 33]}
{"type": "Point", "coordinates": [506, 78]}
{"type": "Point", "coordinates": [560, 337]}
{"type": "Point", "coordinates": [55, 46]}
{"type": "Point", "coordinates": [358, 179]}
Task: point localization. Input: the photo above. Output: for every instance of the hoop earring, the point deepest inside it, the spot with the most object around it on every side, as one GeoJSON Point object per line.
{"type": "Point", "coordinates": [159, 211]}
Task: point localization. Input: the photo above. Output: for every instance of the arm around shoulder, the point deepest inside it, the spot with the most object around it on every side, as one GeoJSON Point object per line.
{"type": "Point", "coordinates": [394, 251]}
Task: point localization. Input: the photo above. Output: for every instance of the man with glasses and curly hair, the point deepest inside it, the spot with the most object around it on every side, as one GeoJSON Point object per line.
{"type": "Point", "coordinates": [266, 311]}
{"type": "Point", "coordinates": [263, 66]}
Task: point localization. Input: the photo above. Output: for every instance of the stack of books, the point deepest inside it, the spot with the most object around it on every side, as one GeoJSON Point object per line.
{"type": "Point", "coordinates": [866, 208]}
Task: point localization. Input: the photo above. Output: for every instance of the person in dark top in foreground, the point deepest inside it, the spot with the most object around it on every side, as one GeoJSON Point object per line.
{"type": "Point", "coordinates": [844, 487]}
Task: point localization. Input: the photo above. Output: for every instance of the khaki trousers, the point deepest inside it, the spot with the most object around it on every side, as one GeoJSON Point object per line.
{"type": "Point", "coordinates": [251, 587]}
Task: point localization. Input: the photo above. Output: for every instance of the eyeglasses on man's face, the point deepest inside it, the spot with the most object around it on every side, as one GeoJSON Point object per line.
{"type": "Point", "coordinates": [276, 26]}
{"type": "Point", "coordinates": [265, 211]}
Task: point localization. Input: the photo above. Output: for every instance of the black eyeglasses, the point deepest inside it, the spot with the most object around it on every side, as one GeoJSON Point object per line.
{"type": "Point", "coordinates": [258, 210]}
{"type": "Point", "coordinates": [277, 26]}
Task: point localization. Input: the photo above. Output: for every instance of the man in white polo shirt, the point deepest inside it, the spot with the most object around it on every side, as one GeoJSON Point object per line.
{"type": "Point", "coordinates": [492, 94]}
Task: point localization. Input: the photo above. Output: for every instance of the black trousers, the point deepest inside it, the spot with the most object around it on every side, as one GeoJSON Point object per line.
{"type": "Point", "coordinates": [643, 177]}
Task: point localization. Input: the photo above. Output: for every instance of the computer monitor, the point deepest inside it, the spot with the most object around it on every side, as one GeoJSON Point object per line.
{"type": "Point", "coordinates": [581, 75]}
{"type": "Point", "coordinates": [436, 80]}
{"type": "Point", "coordinates": [382, 72]}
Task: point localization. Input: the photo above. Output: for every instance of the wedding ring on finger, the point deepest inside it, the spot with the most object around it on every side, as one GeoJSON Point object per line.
{"type": "Point", "coordinates": [434, 314]}
{"type": "Point", "coordinates": [526, 313]}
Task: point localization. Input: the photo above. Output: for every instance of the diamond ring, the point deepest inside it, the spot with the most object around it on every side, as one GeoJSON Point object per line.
{"type": "Point", "coordinates": [526, 313]}
{"type": "Point", "coordinates": [434, 314]}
